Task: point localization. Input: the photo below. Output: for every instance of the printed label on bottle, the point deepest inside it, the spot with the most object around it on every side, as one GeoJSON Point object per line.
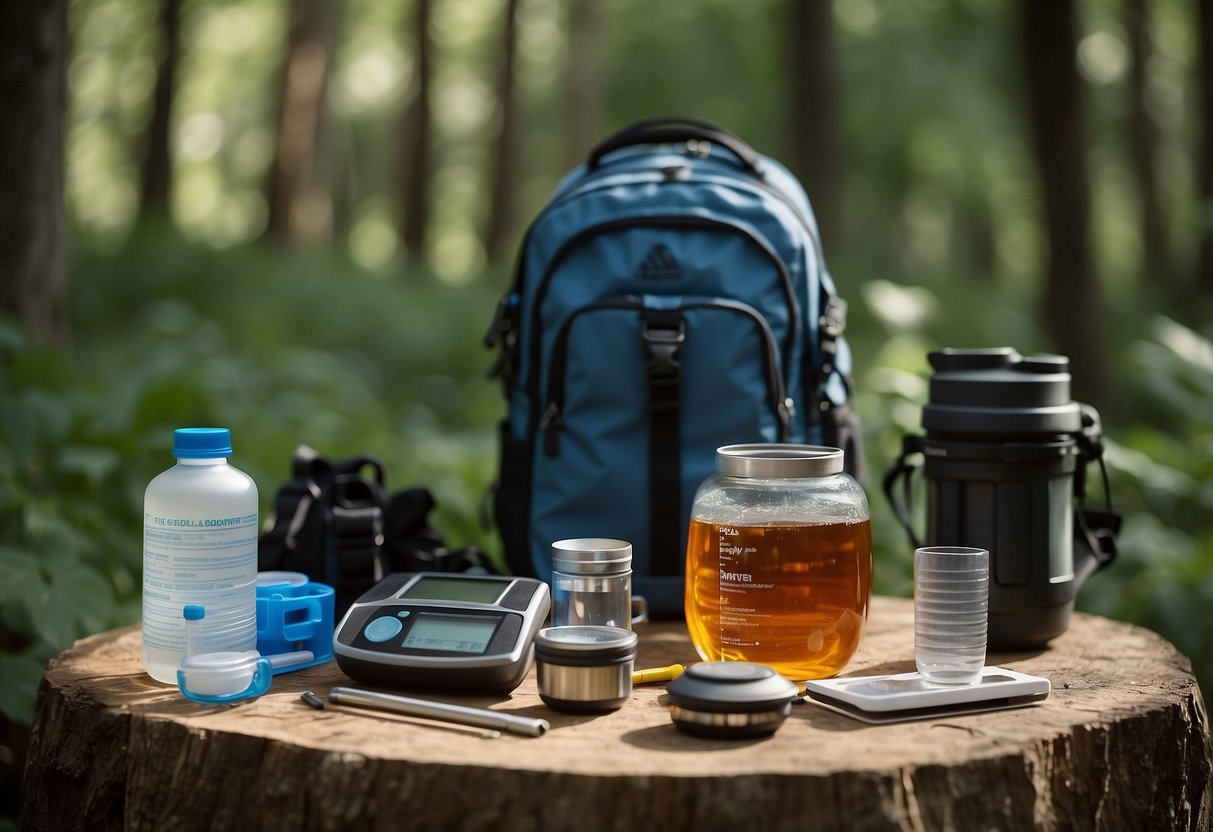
{"type": "Point", "coordinates": [209, 561]}
{"type": "Point", "coordinates": [740, 619]}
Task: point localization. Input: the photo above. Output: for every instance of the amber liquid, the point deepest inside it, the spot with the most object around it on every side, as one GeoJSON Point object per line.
{"type": "Point", "coordinates": [794, 597]}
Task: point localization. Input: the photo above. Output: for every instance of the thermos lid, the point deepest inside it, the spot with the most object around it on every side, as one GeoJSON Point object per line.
{"type": "Point", "coordinates": [592, 556]}
{"type": "Point", "coordinates": [999, 391]}
{"type": "Point", "coordinates": [778, 461]}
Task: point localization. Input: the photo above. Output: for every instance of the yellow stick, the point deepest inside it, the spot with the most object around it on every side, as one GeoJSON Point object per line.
{"type": "Point", "coordinates": [651, 675]}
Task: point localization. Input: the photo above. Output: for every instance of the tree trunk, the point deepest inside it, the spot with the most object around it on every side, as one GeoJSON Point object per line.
{"type": "Point", "coordinates": [504, 181]}
{"type": "Point", "coordinates": [816, 149]}
{"type": "Point", "coordinates": [1072, 308]}
{"type": "Point", "coordinates": [299, 201]}
{"type": "Point", "coordinates": [1204, 263]}
{"type": "Point", "coordinates": [977, 239]}
{"type": "Point", "coordinates": [415, 133]}
{"type": "Point", "coordinates": [583, 80]}
{"type": "Point", "coordinates": [34, 48]}
{"type": "Point", "coordinates": [1121, 743]}
{"type": "Point", "coordinates": [1143, 147]}
{"type": "Point", "coordinates": [157, 159]}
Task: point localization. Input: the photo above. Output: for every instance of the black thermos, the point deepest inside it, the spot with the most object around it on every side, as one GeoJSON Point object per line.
{"type": "Point", "coordinates": [1004, 459]}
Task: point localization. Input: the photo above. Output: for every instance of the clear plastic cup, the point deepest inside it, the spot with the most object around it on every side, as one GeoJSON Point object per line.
{"type": "Point", "coordinates": [951, 613]}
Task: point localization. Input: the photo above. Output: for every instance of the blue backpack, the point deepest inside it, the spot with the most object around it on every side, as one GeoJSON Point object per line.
{"type": "Point", "coordinates": [671, 298]}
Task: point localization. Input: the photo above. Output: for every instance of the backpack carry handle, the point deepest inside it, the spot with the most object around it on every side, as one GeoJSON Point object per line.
{"type": "Point", "coordinates": [676, 130]}
{"type": "Point", "coordinates": [671, 121]}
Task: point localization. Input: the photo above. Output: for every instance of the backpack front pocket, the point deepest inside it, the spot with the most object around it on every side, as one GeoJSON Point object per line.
{"type": "Point", "coordinates": [640, 384]}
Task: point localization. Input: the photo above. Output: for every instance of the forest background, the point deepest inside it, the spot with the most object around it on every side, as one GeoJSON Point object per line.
{"type": "Point", "coordinates": [294, 219]}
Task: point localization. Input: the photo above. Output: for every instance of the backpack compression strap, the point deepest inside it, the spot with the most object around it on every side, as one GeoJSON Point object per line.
{"type": "Point", "coordinates": [663, 332]}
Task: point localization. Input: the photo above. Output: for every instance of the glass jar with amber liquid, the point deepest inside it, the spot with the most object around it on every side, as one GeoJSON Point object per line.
{"type": "Point", "coordinates": [779, 560]}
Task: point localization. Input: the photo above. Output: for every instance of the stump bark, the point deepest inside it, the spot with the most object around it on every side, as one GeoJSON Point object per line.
{"type": "Point", "coordinates": [1121, 743]}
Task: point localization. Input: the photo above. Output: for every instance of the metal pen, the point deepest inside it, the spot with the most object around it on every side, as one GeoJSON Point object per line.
{"type": "Point", "coordinates": [428, 709]}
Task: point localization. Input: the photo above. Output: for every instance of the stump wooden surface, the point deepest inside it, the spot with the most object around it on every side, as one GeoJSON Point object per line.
{"type": "Point", "coordinates": [1122, 743]}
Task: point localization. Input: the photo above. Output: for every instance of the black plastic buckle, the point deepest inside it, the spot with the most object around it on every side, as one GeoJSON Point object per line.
{"type": "Point", "coordinates": [663, 337]}
{"type": "Point", "coordinates": [503, 330]}
{"type": "Point", "coordinates": [357, 526]}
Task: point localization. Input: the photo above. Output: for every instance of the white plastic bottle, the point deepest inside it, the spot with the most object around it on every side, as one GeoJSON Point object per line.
{"type": "Point", "coordinates": [199, 547]}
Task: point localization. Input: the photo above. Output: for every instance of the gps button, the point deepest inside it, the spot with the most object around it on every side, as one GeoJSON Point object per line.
{"type": "Point", "coordinates": [383, 628]}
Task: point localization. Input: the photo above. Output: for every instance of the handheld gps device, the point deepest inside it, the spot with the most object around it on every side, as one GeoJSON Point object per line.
{"type": "Point", "coordinates": [443, 630]}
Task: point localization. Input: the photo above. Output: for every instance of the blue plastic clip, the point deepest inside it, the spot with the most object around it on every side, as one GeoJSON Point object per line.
{"type": "Point", "coordinates": [294, 615]}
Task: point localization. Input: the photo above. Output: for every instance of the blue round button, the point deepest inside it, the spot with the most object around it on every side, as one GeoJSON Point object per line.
{"type": "Point", "coordinates": [383, 628]}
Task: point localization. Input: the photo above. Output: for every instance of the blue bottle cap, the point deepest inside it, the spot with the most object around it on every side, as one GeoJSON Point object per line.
{"type": "Point", "coordinates": [194, 612]}
{"type": "Point", "coordinates": [202, 443]}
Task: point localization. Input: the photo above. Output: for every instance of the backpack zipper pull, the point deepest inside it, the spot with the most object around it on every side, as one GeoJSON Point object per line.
{"type": "Point", "coordinates": [550, 427]}
{"type": "Point", "coordinates": [787, 414]}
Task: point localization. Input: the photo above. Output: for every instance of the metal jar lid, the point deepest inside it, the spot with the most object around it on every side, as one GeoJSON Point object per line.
{"type": "Point", "coordinates": [592, 556]}
{"type": "Point", "coordinates": [778, 461]}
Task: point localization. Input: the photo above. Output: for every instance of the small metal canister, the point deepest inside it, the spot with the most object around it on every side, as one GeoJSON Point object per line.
{"type": "Point", "coordinates": [592, 582]}
{"type": "Point", "coordinates": [585, 669]}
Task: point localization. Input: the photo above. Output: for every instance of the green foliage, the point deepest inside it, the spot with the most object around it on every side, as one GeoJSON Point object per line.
{"type": "Point", "coordinates": [283, 350]}
{"type": "Point", "coordinates": [1162, 467]}
{"type": "Point", "coordinates": [68, 549]}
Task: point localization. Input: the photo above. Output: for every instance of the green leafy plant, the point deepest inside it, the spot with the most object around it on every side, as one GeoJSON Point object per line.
{"type": "Point", "coordinates": [68, 547]}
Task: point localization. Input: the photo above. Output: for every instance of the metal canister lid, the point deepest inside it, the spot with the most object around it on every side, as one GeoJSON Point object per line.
{"type": "Point", "coordinates": [592, 556]}
{"type": "Point", "coordinates": [584, 644]}
{"type": "Point", "coordinates": [778, 461]}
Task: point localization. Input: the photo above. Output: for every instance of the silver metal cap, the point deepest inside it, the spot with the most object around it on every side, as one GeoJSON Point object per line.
{"type": "Point", "coordinates": [777, 461]}
{"type": "Point", "coordinates": [592, 556]}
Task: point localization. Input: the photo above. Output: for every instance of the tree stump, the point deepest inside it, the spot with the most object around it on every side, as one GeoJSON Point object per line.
{"type": "Point", "coordinates": [1121, 743]}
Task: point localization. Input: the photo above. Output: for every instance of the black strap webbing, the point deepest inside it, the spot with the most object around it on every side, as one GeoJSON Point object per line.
{"type": "Point", "coordinates": [357, 536]}
{"type": "Point", "coordinates": [663, 332]}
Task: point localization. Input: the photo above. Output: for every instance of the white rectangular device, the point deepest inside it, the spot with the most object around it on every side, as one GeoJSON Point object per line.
{"type": "Point", "coordinates": [908, 696]}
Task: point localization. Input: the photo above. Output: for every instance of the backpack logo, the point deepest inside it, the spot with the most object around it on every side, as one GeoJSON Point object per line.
{"type": "Point", "coordinates": [659, 264]}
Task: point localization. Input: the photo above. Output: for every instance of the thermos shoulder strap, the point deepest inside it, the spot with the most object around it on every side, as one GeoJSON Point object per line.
{"type": "Point", "coordinates": [903, 470]}
{"type": "Point", "coordinates": [1095, 529]}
